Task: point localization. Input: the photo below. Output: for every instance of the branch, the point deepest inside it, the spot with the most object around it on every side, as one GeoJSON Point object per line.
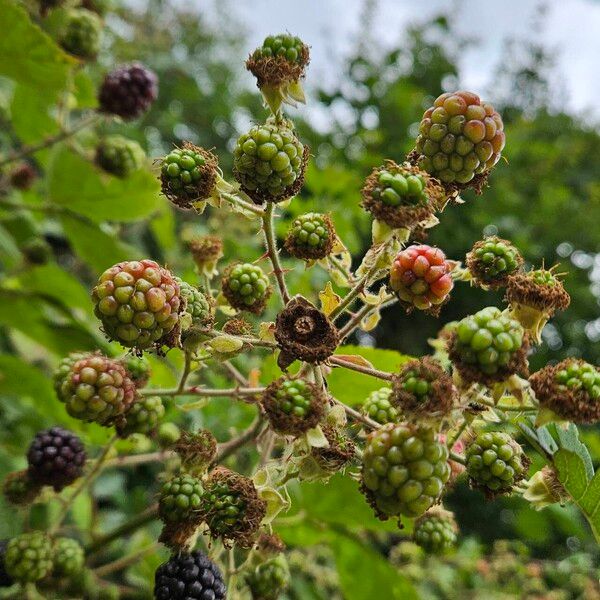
{"type": "Point", "coordinates": [49, 141]}
{"type": "Point", "coordinates": [273, 253]}
{"type": "Point", "coordinates": [356, 319]}
{"type": "Point", "coordinates": [206, 392]}
{"type": "Point", "coordinates": [237, 201]}
{"type": "Point", "coordinates": [340, 362]}
{"type": "Point", "coordinates": [228, 448]}
{"type": "Point", "coordinates": [357, 416]}
{"type": "Point", "coordinates": [125, 561]}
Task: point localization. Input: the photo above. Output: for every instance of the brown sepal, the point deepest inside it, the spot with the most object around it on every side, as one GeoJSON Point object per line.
{"type": "Point", "coordinates": [278, 70]}
{"type": "Point", "coordinates": [547, 299]}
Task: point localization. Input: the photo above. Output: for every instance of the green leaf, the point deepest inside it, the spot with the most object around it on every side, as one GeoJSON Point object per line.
{"type": "Point", "coordinates": [25, 103]}
{"type": "Point", "coordinates": [80, 186]}
{"type": "Point", "coordinates": [351, 387]}
{"type": "Point", "coordinates": [28, 55]}
{"type": "Point", "coordinates": [569, 440]}
{"type": "Point", "coordinates": [94, 245]}
{"type": "Point", "coordinates": [17, 378]}
{"type": "Point", "coordinates": [9, 252]}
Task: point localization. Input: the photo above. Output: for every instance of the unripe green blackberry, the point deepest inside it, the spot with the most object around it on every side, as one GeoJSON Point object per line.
{"type": "Point", "coordinates": [311, 236]}
{"type": "Point", "coordinates": [246, 287]}
{"type": "Point", "coordinates": [188, 175]}
{"type": "Point", "coordinates": [284, 45]}
{"type": "Point", "coordinates": [378, 406]}
{"type": "Point", "coordinates": [489, 346]}
{"type": "Point", "coordinates": [180, 499]}
{"type": "Point", "coordinates": [82, 33]}
{"type": "Point", "coordinates": [570, 389]}
{"type": "Point", "coordinates": [423, 390]}
{"type": "Point", "coordinates": [138, 368]}
{"type": "Point", "coordinates": [97, 388]}
{"type": "Point", "coordinates": [459, 139]}
{"type": "Point", "coordinates": [269, 579]}
{"type": "Point", "coordinates": [138, 303]}
{"type": "Point", "coordinates": [492, 260]}
{"type": "Point", "coordinates": [68, 557]}
{"type": "Point", "coordinates": [168, 434]}
{"type": "Point", "coordinates": [269, 162]}
{"type": "Point", "coordinates": [404, 470]}
{"type": "Point", "coordinates": [495, 462]}
{"type": "Point", "coordinates": [28, 557]}
{"type": "Point", "coordinates": [119, 155]}
{"type": "Point", "coordinates": [231, 507]}
{"type": "Point", "coordinates": [19, 489]}
{"type": "Point", "coordinates": [436, 531]}
{"type": "Point", "coordinates": [293, 406]}
{"type": "Point", "coordinates": [197, 306]}
{"type": "Point", "coordinates": [143, 417]}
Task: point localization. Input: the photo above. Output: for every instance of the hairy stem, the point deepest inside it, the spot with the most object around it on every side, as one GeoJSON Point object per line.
{"type": "Point", "coordinates": [206, 392]}
{"type": "Point", "coordinates": [340, 362]}
{"type": "Point", "coordinates": [237, 201]}
{"type": "Point", "coordinates": [49, 141]}
{"type": "Point", "coordinates": [273, 252]}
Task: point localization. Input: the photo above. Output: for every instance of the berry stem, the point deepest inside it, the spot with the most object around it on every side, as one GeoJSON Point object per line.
{"type": "Point", "coordinates": [356, 319]}
{"type": "Point", "coordinates": [456, 436]}
{"type": "Point", "coordinates": [340, 362]}
{"type": "Point", "coordinates": [247, 339]}
{"type": "Point", "coordinates": [458, 458]}
{"type": "Point", "coordinates": [357, 416]}
{"type": "Point", "coordinates": [133, 460]}
{"type": "Point", "coordinates": [83, 484]}
{"type": "Point", "coordinates": [207, 392]}
{"type": "Point", "coordinates": [187, 367]}
{"type": "Point", "coordinates": [126, 561]}
{"type": "Point", "coordinates": [237, 201]}
{"type": "Point", "coordinates": [273, 252]}
{"type": "Point", "coordinates": [50, 141]}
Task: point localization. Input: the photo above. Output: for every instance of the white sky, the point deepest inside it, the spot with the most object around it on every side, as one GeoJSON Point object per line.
{"type": "Point", "coordinates": [329, 26]}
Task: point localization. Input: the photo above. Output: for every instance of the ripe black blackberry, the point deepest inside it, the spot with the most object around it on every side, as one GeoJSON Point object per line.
{"type": "Point", "coordinates": [56, 457]}
{"type": "Point", "coordinates": [189, 576]}
{"type": "Point", "coordinates": [128, 91]}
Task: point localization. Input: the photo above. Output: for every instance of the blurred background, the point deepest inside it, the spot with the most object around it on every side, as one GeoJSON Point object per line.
{"type": "Point", "coordinates": [375, 66]}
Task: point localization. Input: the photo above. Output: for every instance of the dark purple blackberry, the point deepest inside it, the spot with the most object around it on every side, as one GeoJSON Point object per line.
{"type": "Point", "coordinates": [5, 578]}
{"type": "Point", "coordinates": [128, 91]}
{"type": "Point", "coordinates": [56, 457]}
{"type": "Point", "coordinates": [189, 576]}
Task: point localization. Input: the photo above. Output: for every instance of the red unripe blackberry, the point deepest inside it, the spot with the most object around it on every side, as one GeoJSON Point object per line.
{"type": "Point", "coordinates": [56, 457]}
{"type": "Point", "coordinates": [189, 576]}
{"type": "Point", "coordinates": [420, 276]}
{"type": "Point", "coordinates": [128, 91]}
{"type": "Point", "coordinates": [138, 303]}
{"type": "Point", "coordinates": [460, 137]}
{"type": "Point", "coordinates": [97, 388]}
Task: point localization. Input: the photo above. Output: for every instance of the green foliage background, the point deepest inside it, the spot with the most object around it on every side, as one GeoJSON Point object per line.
{"type": "Point", "coordinates": [546, 200]}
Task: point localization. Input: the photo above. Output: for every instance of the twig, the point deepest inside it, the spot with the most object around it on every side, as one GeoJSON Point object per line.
{"type": "Point", "coordinates": [125, 561]}
{"type": "Point", "coordinates": [360, 368]}
{"type": "Point", "coordinates": [133, 460]}
{"type": "Point", "coordinates": [49, 141]}
{"type": "Point", "coordinates": [456, 436]}
{"type": "Point", "coordinates": [273, 253]}
{"type": "Point", "coordinates": [357, 416]}
{"type": "Point", "coordinates": [187, 367]}
{"type": "Point", "coordinates": [236, 200]}
{"type": "Point", "coordinates": [230, 367]}
{"type": "Point", "coordinates": [356, 319]}
{"type": "Point", "coordinates": [458, 458]}
{"type": "Point", "coordinates": [228, 448]}
{"type": "Point", "coordinates": [206, 392]}
{"type": "Point", "coordinates": [247, 339]}
{"type": "Point", "coordinates": [85, 481]}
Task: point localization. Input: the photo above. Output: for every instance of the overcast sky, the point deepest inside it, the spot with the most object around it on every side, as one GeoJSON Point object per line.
{"type": "Point", "coordinates": [329, 26]}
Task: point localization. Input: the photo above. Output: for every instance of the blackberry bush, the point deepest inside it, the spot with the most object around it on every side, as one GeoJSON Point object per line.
{"type": "Point", "coordinates": [244, 417]}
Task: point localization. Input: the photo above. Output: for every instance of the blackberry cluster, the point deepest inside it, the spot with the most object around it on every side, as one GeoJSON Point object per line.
{"type": "Point", "coordinates": [293, 406]}
{"type": "Point", "coordinates": [82, 33]}
{"type": "Point", "coordinates": [488, 346]}
{"type": "Point", "coordinates": [460, 138]}
{"type": "Point", "coordinates": [197, 305]}
{"type": "Point", "coordinates": [189, 576]}
{"type": "Point", "coordinates": [246, 287]}
{"type": "Point", "coordinates": [120, 156]}
{"type": "Point", "coordinates": [311, 236]}
{"type": "Point", "coordinates": [56, 457]}
{"type": "Point", "coordinates": [404, 470]}
{"type": "Point", "coordinates": [143, 417]}
{"type": "Point", "coordinates": [495, 462]}
{"type": "Point", "coordinates": [492, 260]}
{"type": "Point", "coordinates": [138, 303]}
{"type": "Point", "coordinates": [378, 406]}
{"type": "Point", "coordinates": [28, 557]}
{"type": "Point", "coordinates": [96, 388]}
{"type": "Point", "coordinates": [287, 46]}
{"type": "Point", "coordinates": [128, 91]}
{"type": "Point", "coordinates": [269, 579]}
{"type": "Point", "coordinates": [68, 557]}
{"type": "Point", "coordinates": [188, 175]}
{"type": "Point", "coordinates": [180, 499]}
{"type": "Point", "coordinates": [570, 389]}
{"type": "Point", "coordinates": [421, 277]}
{"type": "Point", "coordinates": [269, 162]}
{"type": "Point", "coordinates": [435, 531]}
{"type": "Point", "coordinates": [399, 188]}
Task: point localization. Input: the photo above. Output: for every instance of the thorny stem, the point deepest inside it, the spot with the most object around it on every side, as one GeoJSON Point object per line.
{"type": "Point", "coordinates": [126, 561]}
{"type": "Point", "coordinates": [85, 481]}
{"type": "Point", "coordinates": [340, 362]}
{"type": "Point", "coordinates": [236, 200]}
{"type": "Point", "coordinates": [357, 416]}
{"type": "Point", "coordinates": [49, 141]}
{"type": "Point", "coordinates": [206, 392]}
{"type": "Point", "coordinates": [273, 253]}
